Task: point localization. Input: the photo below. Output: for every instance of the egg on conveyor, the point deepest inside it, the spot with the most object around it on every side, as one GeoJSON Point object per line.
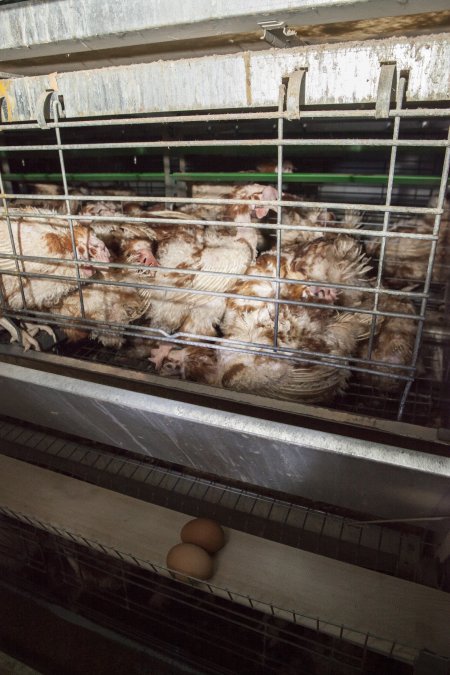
{"type": "Point", "coordinates": [191, 560]}
{"type": "Point", "coordinates": [204, 532]}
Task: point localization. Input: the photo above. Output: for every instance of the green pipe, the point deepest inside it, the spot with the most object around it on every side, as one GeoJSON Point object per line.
{"type": "Point", "coordinates": [218, 177]}
{"type": "Point", "coordinates": [364, 179]}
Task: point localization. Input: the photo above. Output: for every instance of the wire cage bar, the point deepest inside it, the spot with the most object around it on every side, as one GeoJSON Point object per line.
{"type": "Point", "coordinates": [398, 217]}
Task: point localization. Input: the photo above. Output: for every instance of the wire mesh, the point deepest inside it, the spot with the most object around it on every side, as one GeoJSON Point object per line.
{"type": "Point", "coordinates": [401, 384]}
{"type": "Point", "coordinates": [143, 601]}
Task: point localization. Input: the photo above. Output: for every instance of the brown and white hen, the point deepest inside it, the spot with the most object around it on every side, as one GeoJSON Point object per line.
{"type": "Point", "coordinates": [110, 303]}
{"type": "Point", "coordinates": [251, 322]}
{"type": "Point", "coordinates": [43, 238]}
{"type": "Point", "coordinates": [406, 258]}
{"type": "Point", "coordinates": [222, 250]}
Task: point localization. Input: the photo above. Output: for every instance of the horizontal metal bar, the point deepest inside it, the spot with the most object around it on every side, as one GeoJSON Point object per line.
{"type": "Point", "coordinates": [219, 294]}
{"type": "Point", "coordinates": [210, 176]}
{"type": "Point", "coordinates": [259, 142]}
{"type": "Point", "coordinates": [158, 119]}
{"type": "Point", "coordinates": [233, 116]}
{"type": "Point", "coordinates": [345, 206]}
{"type": "Point", "coordinates": [240, 81]}
{"type": "Point", "coordinates": [199, 272]}
{"type": "Point", "coordinates": [226, 223]}
{"type": "Point", "coordinates": [216, 343]}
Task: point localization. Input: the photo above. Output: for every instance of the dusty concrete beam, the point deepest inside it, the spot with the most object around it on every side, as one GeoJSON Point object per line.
{"type": "Point", "coordinates": [35, 29]}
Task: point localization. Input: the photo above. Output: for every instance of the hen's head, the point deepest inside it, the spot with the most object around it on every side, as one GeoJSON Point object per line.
{"type": "Point", "coordinates": [90, 247]}
{"type": "Point", "coordinates": [197, 364]}
{"type": "Point", "coordinates": [58, 243]}
{"type": "Point", "coordinates": [242, 213]}
{"type": "Point", "coordinates": [139, 252]}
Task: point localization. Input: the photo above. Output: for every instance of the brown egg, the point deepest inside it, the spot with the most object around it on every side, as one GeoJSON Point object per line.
{"type": "Point", "coordinates": [191, 560]}
{"type": "Point", "coordinates": [204, 532]}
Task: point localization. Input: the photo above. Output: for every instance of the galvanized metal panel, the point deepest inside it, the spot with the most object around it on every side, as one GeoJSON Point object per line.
{"type": "Point", "coordinates": [364, 476]}
{"type": "Point", "coordinates": [340, 74]}
{"type": "Point", "coordinates": [44, 28]}
{"type": "Point", "coordinates": [348, 73]}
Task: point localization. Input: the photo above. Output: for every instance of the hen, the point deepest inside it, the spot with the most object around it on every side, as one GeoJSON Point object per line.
{"type": "Point", "coordinates": [406, 259]}
{"type": "Point", "coordinates": [336, 259]}
{"type": "Point", "coordinates": [51, 189]}
{"type": "Point", "coordinates": [221, 250]}
{"type": "Point", "coordinates": [44, 238]}
{"type": "Point", "coordinates": [393, 344]}
{"type": "Point", "coordinates": [228, 211]}
{"type": "Point", "coordinates": [252, 322]}
{"type": "Point", "coordinates": [113, 303]}
{"type": "Point", "coordinates": [110, 303]}
{"type": "Point", "coordinates": [305, 217]}
{"type": "Point", "coordinates": [118, 235]}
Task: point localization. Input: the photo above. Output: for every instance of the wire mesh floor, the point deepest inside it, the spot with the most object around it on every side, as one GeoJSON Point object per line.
{"type": "Point", "coordinates": [424, 406]}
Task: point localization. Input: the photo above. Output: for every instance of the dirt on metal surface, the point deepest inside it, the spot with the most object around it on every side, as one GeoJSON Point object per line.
{"type": "Point", "coordinates": [364, 29]}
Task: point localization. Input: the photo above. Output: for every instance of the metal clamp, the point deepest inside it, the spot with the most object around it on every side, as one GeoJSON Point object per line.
{"type": "Point", "coordinates": [387, 90]}
{"type": "Point", "coordinates": [44, 107]}
{"type": "Point", "coordinates": [295, 94]}
{"type": "Point", "coordinates": [277, 34]}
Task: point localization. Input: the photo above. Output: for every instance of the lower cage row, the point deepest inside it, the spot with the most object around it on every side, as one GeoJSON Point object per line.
{"type": "Point", "coordinates": [214, 634]}
{"type": "Point", "coordinates": [269, 607]}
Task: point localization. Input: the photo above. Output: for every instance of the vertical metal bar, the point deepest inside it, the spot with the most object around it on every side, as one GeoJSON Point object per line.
{"type": "Point", "coordinates": [282, 93]}
{"type": "Point", "coordinates": [386, 219]}
{"type": "Point", "coordinates": [13, 247]}
{"type": "Point", "coordinates": [429, 273]}
{"type": "Point", "coordinates": [181, 186]}
{"type": "Point", "coordinates": [168, 181]}
{"type": "Point", "coordinates": [5, 168]}
{"type": "Point", "coordinates": [56, 105]}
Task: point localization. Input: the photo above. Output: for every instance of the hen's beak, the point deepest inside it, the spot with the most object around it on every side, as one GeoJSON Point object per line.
{"type": "Point", "coordinates": [86, 271]}
{"type": "Point", "coordinates": [145, 257]}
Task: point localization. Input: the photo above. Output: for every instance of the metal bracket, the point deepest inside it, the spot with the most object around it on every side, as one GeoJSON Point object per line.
{"type": "Point", "coordinates": [387, 90]}
{"type": "Point", "coordinates": [277, 34]}
{"type": "Point", "coordinates": [3, 109]}
{"type": "Point", "coordinates": [44, 107]}
{"type": "Point", "coordinates": [295, 94]}
{"type": "Point", "coordinates": [431, 664]}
